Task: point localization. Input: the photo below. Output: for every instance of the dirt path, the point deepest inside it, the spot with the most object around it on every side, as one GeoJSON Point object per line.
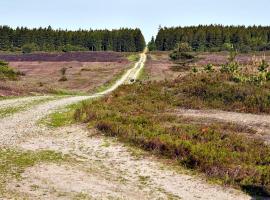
{"type": "Point", "coordinates": [20, 124]}
{"type": "Point", "coordinates": [260, 123]}
{"type": "Point", "coordinates": [106, 169]}
{"type": "Point", "coordinates": [19, 101]}
{"type": "Point", "coordinates": [101, 168]}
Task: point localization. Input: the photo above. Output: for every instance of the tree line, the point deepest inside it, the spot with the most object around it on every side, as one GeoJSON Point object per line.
{"type": "Point", "coordinates": [48, 39]}
{"type": "Point", "coordinates": [215, 38]}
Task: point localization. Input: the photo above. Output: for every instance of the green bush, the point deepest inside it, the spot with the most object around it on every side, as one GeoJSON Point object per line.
{"type": "Point", "coordinates": [29, 48]}
{"type": "Point", "coordinates": [6, 72]}
{"type": "Point", "coordinates": [69, 48]}
{"type": "Point", "coordinates": [181, 52]}
{"type": "Point", "coordinates": [181, 56]}
{"type": "Point", "coordinates": [263, 66]}
{"type": "Point", "coordinates": [231, 67]}
{"type": "Point", "coordinates": [208, 68]}
{"type": "Point", "coordinates": [204, 91]}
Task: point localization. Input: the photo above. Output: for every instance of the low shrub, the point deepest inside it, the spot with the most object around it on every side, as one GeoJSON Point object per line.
{"type": "Point", "coordinates": [70, 48]}
{"type": "Point", "coordinates": [137, 114]}
{"type": "Point", "coordinates": [181, 56]}
{"type": "Point", "coordinates": [204, 91]}
{"type": "Point", "coordinates": [7, 72]}
{"type": "Point", "coordinates": [29, 48]}
{"type": "Point", "coordinates": [181, 52]}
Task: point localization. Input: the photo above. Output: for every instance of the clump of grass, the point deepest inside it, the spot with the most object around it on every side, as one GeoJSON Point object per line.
{"type": "Point", "coordinates": [62, 118]}
{"type": "Point", "coordinates": [63, 92]}
{"type": "Point", "coordinates": [133, 57]}
{"type": "Point", "coordinates": [7, 72]}
{"type": "Point", "coordinates": [7, 111]}
{"type": "Point", "coordinates": [135, 114]}
{"type": "Point", "coordinates": [13, 162]}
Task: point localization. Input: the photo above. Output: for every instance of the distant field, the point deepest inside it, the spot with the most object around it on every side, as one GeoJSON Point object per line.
{"type": "Point", "coordinates": [65, 57]}
{"type": "Point", "coordinates": [160, 67]}
{"type": "Point", "coordinates": [85, 71]}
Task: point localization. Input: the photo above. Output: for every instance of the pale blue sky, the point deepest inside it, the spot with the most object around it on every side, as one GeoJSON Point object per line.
{"type": "Point", "coordinates": [144, 14]}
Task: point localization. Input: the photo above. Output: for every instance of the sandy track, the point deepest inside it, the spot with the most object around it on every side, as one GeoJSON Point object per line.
{"type": "Point", "coordinates": [106, 169]}
{"type": "Point", "coordinates": [18, 125]}
{"type": "Point", "coordinates": [135, 72]}
{"type": "Point", "coordinates": [259, 123]}
{"type": "Point", "coordinates": [19, 101]}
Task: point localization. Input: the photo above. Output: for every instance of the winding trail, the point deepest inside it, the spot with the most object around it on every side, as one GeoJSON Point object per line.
{"type": "Point", "coordinates": [22, 123]}
{"type": "Point", "coordinates": [103, 168]}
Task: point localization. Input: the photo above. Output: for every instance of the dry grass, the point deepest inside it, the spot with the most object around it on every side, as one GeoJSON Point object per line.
{"type": "Point", "coordinates": [84, 72]}
{"type": "Point", "coordinates": [43, 77]}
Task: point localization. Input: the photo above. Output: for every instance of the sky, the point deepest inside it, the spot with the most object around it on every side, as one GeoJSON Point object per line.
{"type": "Point", "coordinates": [147, 15]}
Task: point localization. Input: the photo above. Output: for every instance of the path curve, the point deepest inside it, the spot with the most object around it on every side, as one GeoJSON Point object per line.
{"type": "Point", "coordinates": [19, 124]}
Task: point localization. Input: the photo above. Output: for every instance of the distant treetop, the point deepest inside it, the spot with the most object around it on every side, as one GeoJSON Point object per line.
{"type": "Point", "coordinates": [215, 38]}
{"type": "Point", "coordinates": [47, 39]}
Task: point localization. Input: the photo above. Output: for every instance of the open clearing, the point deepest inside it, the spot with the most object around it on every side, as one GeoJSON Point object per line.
{"type": "Point", "coordinates": [160, 67]}
{"type": "Point", "coordinates": [85, 72]}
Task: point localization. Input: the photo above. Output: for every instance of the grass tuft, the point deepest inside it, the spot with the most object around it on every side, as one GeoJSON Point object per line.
{"type": "Point", "coordinates": [13, 163]}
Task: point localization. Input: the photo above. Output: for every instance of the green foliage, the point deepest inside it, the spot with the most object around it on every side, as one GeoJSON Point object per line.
{"type": "Point", "coordinates": [7, 72]}
{"type": "Point", "coordinates": [152, 45]}
{"type": "Point", "coordinates": [47, 39]}
{"type": "Point", "coordinates": [227, 47]}
{"type": "Point", "coordinates": [136, 114]}
{"type": "Point", "coordinates": [69, 48]}
{"type": "Point", "coordinates": [181, 56]}
{"type": "Point", "coordinates": [263, 66]}
{"type": "Point", "coordinates": [194, 70]}
{"type": "Point", "coordinates": [133, 57]}
{"type": "Point", "coordinates": [29, 48]}
{"type": "Point", "coordinates": [232, 55]}
{"type": "Point", "coordinates": [268, 76]}
{"type": "Point", "coordinates": [61, 118]}
{"type": "Point", "coordinates": [13, 162]}
{"type": "Point", "coordinates": [181, 52]}
{"type": "Point", "coordinates": [215, 38]}
{"type": "Point", "coordinates": [183, 47]}
{"type": "Point", "coordinates": [226, 92]}
{"type": "Point", "coordinates": [231, 67]}
{"type": "Point", "coordinates": [208, 68]}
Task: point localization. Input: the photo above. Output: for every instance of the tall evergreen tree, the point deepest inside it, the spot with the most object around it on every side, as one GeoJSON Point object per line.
{"type": "Point", "coordinates": [47, 39]}
{"type": "Point", "coordinates": [214, 37]}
